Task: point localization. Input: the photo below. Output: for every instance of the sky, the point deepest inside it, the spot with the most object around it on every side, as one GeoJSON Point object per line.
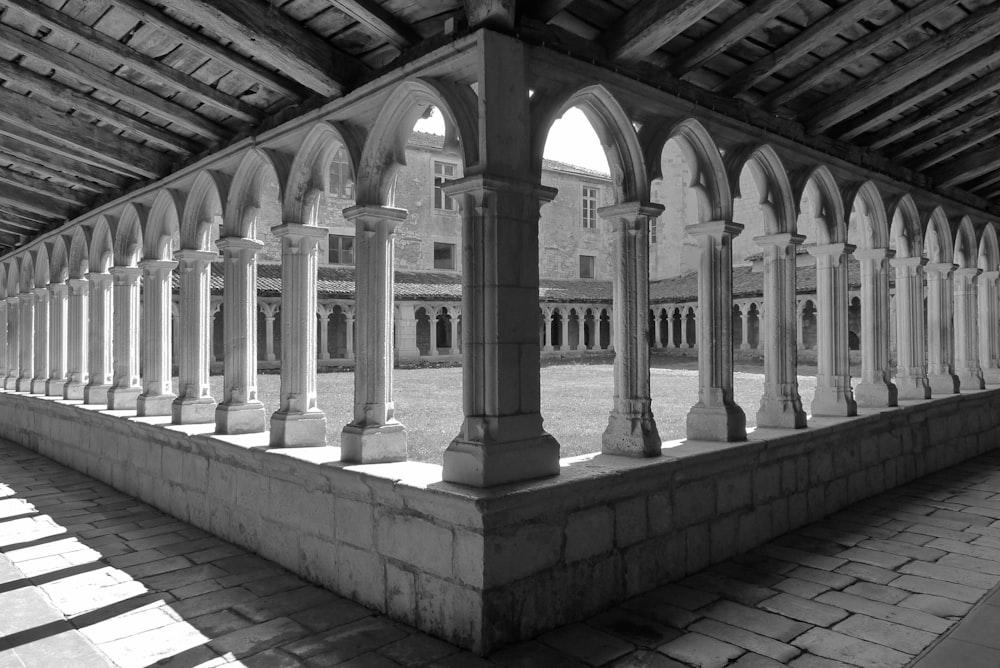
{"type": "Point", "coordinates": [571, 140]}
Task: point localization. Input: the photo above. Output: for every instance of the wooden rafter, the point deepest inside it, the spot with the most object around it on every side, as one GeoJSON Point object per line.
{"type": "Point", "coordinates": [980, 133]}
{"type": "Point", "coordinates": [43, 187]}
{"type": "Point", "coordinates": [78, 139]}
{"type": "Point", "coordinates": [22, 222]}
{"type": "Point", "coordinates": [969, 33]}
{"type": "Point", "coordinates": [45, 162]}
{"type": "Point", "coordinates": [985, 56]}
{"type": "Point", "coordinates": [939, 132]}
{"type": "Point", "coordinates": [378, 20]}
{"type": "Point", "coordinates": [651, 24]}
{"type": "Point", "coordinates": [984, 183]}
{"type": "Point", "coordinates": [50, 90]}
{"type": "Point", "coordinates": [732, 31]}
{"type": "Point", "coordinates": [35, 202]}
{"type": "Point", "coordinates": [969, 167]}
{"type": "Point", "coordinates": [867, 44]}
{"type": "Point", "coordinates": [136, 60]}
{"type": "Point", "coordinates": [816, 34]}
{"type": "Point", "coordinates": [544, 10]}
{"type": "Point", "coordinates": [273, 37]}
{"type": "Point", "coordinates": [92, 75]}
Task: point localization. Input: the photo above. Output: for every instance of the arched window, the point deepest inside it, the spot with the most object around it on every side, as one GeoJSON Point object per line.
{"type": "Point", "coordinates": [341, 178]}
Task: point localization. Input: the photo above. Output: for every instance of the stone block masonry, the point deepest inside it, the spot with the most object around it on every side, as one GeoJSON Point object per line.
{"type": "Point", "coordinates": [484, 568]}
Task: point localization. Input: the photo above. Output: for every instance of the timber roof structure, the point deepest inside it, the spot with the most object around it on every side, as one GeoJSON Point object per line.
{"type": "Point", "coordinates": [98, 97]}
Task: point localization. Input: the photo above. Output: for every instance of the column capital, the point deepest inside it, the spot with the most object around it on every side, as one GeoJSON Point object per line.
{"type": "Point", "coordinates": [779, 241]}
{"type": "Point", "coordinates": [968, 272]}
{"type": "Point", "coordinates": [191, 256]}
{"type": "Point", "coordinates": [297, 231]}
{"type": "Point", "coordinates": [60, 288]}
{"type": "Point", "coordinates": [78, 286]}
{"type": "Point", "coordinates": [28, 296]}
{"type": "Point", "coordinates": [908, 261]}
{"type": "Point", "coordinates": [990, 275]}
{"type": "Point", "coordinates": [820, 250]}
{"type": "Point", "coordinates": [874, 253]}
{"type": "Point", "coordinates": [478, 184]}
{"type": "Point", "coordinates": [13, 300]}
{"type": "Point", "coordinates": [237, 244]}
{"type": "Point", "coordinates": [153, 266]}
{"type": "Point", "coordinates": [125, 275]}
{"type": "Point", "coordinates": [42, 293]}
{"type": "Point", "coordinates": [940, 268]}
{"type": "Point", "coordinates": [714, 228]}
{"type": "Point", "coordinates": [632, 210]}
{"type": "Point", "coordinates": [370, 215]}
{"type": "Point", "coordinates": [99, 278]}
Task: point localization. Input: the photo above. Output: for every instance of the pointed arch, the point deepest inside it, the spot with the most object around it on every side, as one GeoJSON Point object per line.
{"type": "Point", "coordinates": [128, 235]}
{"type": "Point", "coordinates": [58, 260]}
{"type": "Point", "coordinates": [873, 228]}
{"type": "Point", "coordinates": [203, 209]}
{"type": "Point", "coordinates": [79, 252]}
{"type": "Point", "coordinates": [966, 248]}
{"type": "Point", "coordinates": [13, 277]}
{"type": "Point", "coordinates": [904, 226]}
{"type": "Point", "coordinates": [27, 272]}
{"type": "Point", "coordinates": [989, 249]}
{"type": "Point", "coordinates": [41, 257]}
{"type": "Point", "coordinates": [829, 207]}
{"type": "Point", "coordinates": [384, 151]}
{"type": "Point", "coordinates": [614, 130]}
{"type": "Point", "coordinates": [102, 245]}
{"type": "Point", "coordinates": [309, 175]}
{"type": "Point", "coordinates": [777, 199]}
{"type": "Point", "coordinates": [937, 236]}
{"type": "Point", "coordinates": [162, 228]}
{"type": "Point", "coordinates": [243, 204]}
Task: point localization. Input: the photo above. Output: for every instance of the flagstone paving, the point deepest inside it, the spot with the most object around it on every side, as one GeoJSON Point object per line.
{"type": "Point", "coordinates": [90, 577]}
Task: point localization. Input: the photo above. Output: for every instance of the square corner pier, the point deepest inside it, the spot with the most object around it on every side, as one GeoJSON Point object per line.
{"type": "Point", "coordinates": [484, 568]}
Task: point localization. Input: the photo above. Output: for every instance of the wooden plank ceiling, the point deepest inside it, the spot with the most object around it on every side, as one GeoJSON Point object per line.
{"type": "Point", "coordinates": [97, 96]}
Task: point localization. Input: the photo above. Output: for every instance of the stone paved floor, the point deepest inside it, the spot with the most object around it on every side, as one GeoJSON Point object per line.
{"type": "Point", "coordinates": [90, 577]}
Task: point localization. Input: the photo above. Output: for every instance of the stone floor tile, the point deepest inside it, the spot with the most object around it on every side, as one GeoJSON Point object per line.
{"type": "Point", "coordinates": [912, 538]}
{"type": "Point", "coordinates": [219, 623]}
{"type": "Point", "coordinates": [263, 608]}
{"type": "Point", "coordinates": [885, 560]}
{"type": "Point", "coordinates": [367, 660]}
{"type": "Point", "coordinates": [643, 658]}
{"type": "Point", "coordinates": [952, 653]}
{"type": "Point", "coordinates": [253, 639]}
{"type": "Point", "coordinates": [586, 643]}
{"type": "Point", "coordinates": [196, 657]}
{"type": "Point", "coordinates": [920, 585]}
{"type": "Point", "coordinates": [839, 647]}
{"type": "Point", "coordinates": [903, 549]}
{"type": "Point", "coordinates": [212, 602]}
{"type": "Point", "coordinates": [329, 615]}
{"type": "Point", "coordinates": [896, 636]}
{"type": "Point", "coordinates": [833, 534]}
{"type": "Point", "coordinates": [811, 560]}
{"type": "Point", "coordinates": [950, 574]}
{"type": "Point", "coordinates": [868, 573]}
{"type": "Point", "coordinates": [802, 588]}
{"type": "Point", "coordinates": [877, 592]}
{"type": "Point", "coordinates": [890, 613]}
{"type": "Point", "coordinates": [803, 609]}
{"type": "Point", "coordinates": [633, 627]}
{"type": "Point", "coordinates": [756, 661]}
{"type": "Point", "coordinates": [935, 605]}
{"type": "Point", "coordinates": [758, 621]}
{"type": "Point", "coordinates": [701, 651]}
{"type": "Point", "coordinates": [970, 563]}
{"type": "Point", "coordinates": [348, 641]}
{"type": "Point", "coordinates": [68, 648]}
{"type": "Point", "coordinates": [143, 649]}
{"type": "Point", "coordinates": [533, 654]}
{"type": "Point", "coordinates": [742, 592]}
{"type": "Point", "coordinates": [417, 650]}
{"type": "Point", "coordinates": [145, 618]}
{"type": "Point", "coordinates": [831, 580]}
{"type": "Point", "coordinates": [748, 640]}
{"type": "Point", "coordinates": [463, 659]}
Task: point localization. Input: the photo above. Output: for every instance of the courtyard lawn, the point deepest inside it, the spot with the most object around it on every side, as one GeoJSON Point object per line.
{"type": "Point", "coordinates": [576, 399]}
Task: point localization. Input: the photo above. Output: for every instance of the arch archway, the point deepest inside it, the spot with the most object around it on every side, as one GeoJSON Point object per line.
{"type": "Point", "coordinates": [966, 300]}
{"type": "Point", "coordinates": [906, 239]}
{"type": "Point", "coordinates": [939, 247]}
{"type": "Point", "coordinates": [989, 315]}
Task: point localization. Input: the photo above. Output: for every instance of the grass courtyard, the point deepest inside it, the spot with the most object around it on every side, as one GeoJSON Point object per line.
{"type": "Point", "coordinates": [576, 399]}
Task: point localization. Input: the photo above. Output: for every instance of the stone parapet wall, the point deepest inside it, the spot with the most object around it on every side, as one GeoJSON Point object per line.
{"type": "Point", "coordinates": [485, 567]}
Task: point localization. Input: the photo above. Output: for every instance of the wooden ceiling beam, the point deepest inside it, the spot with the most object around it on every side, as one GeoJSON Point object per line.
{"type": "Point", "coordinates": [981, 132]}
{"type": "Point", "coordinates": [26, 219]}
{"type": "Point", "coordinates": [44, 161]}
{"type": "Point", "coordinates": [71, 135]}
{"type": "Point", "coordinates": [738, 26]}
{"type": "Point", "coordinates": [544, 10]}
{"type": "Point", "coordinates": [137, 61]}
{"type": "Point", "coordinates": [968, 167]}
{"type": "Point", "coordinates": [34, 202]}
{"type": "Point", "coordinates": [92, 75]}
{"type": "Point", "coordinates": [939, 132]}
{"type": "Point", "coordinates": [378, 20]}
{"type": "Point", "coordinates": [940, 79]}
{"type": "Point", "coordinates": [52, 91]}
{"type": "Point", "coordinates": [153, 16]}
{"type": "Point", "coordinates": [807, 40]}
{"type": "Point", "coordinates": [278, 40]}
{"type": "Point", "coordinates": [651, 24]}
{"type": "Point", "coordinates": [984, 183]}
{"type": "Point", "coordinates": [971, 32]}
{"type": "Point", "coordinates": [44, 187]}
{"type": "Point", "coordinates": [866, 45]}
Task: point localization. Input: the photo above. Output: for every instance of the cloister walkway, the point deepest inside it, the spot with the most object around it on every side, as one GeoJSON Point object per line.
{"type": "Point", "coordinates": [90, 577]}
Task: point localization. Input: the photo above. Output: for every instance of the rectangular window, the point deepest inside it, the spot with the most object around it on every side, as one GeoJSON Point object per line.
{"type": "Point", "coordinates": [587, 263]}
{"type": "Point", "coordinates": [653, 222]}
{"type": "Point", "coordinates": [444, 172]}
{"type": "Point", "coordinates": [341, 249]}
{"type": "Point", "coordinates": [589, 207]}
{"type": "Point", "coordinates": [444, 256]}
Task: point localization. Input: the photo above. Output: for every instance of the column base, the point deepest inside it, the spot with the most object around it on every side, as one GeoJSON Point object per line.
{"type": "Point", "coordinates": [38, 385]}
{"type": "Point", "coordinates": [781, 412]}
{"type": "Point", "coordinates": [24, 384]}
{"type": "Point", "coordinates": [373, 444]}
{"type": "Point", "coordinates": [297, 430]}
{"type": "Point", "coordinates": [55, 387]}
{"type": "Point", "coordinates": [915, 387]}
{"type": "Point", "coordinates": [991, 376]}
{"type": "Point", "coordinates": [725, 422]}
{"type": "Point", "coordinates": [201, 410]}
{"type": "Point", "coordinates": [10, 383]}
{"type": "Point", "coordinates": [74, 391]}
{"type": "Point", "coordinates": [834, 402]}
{"type": "Point", "coordinates": [476, 459]}
{"type": "Point", "coordinates": [150, 405]}
{"type": "Point", "coordinates": [876, 395]}
{"type": "Point", "coordinates": [123, 398]}
{"type": "Point", "coordinates": [943, 383]}
{"type": "Point", "coordinates": [631, 436]}
{"type": "Point", "coordinates": [246, 418]}
{"type": "Point", "coordinates": [972, 380]}
{"type": "Point", "coordinates": [96, 394]}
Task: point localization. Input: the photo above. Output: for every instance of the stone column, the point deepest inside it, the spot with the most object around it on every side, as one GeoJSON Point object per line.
{"type": "Point", "coordinates": [42, 342]}
{"type": "Point", "coordinates": [456, 340]}
{"type": "Point", "coordinates": [564, 328]}
{"type": "Point", "coordinates": [989, 323]}
{"type": "Point", "coordinates": [56, 381]}
{"type": "Point", "coordinates": [240, 411]}
{"type": "Point", "coordinates": [125, 388]}
{"type": "Point", "coordinates": [175, 337]}
{"type": "Point", "coordinates": [194, 403]}
{"type": "Point", "coordinates": [547, 330]}
{"type": "Point", "coordinates": [611, 329]}
{"type": "Point", "coordinates": [833, 369]}
{"type": "Point", "coordinates": [270, 311]}
{"type": "Point", "coordinates": [215, 304]}
{"type": "Point", "coordinates": [4, 365]}
{"type": "Point", "coordinates": [911, 350]}
{"type": "Point", "coordinates": [374, 434]}
{"type": "Point", "coordinates": [966, 328]}
{"type": "Point", "coordinates": [501, 439]}
{"type": "Point", "coordinates": [715, 417]}
{"type": "Point", "coordinates": [800, 341]}
{"type": "Point", "coordinates": [77, 339]}
{"type": "Point", "coordinates": [157, 396]}
{"type": "Point", "coordinates": [940, 373]}
{"type": "Point", "coordinates": [876, 388]}
{"type": "Point", "coordinates": [657, 327]}
{"type": "Point", "coordinates": [324, 333]}
{"type": "Point", "coordinates": [349, 334]}
{"type": "Point", "coordinates": [13, 339]}
{"type": "Point", "coordinates": [434, 336]}
{"type": "Point", "coordinates": [27, 323]}
{"type": "Point", "coordinates": [298, 420]}
{"type": "Point", "coordinates": [101, 339]}
{"type": "Point", "coordinates": [780, 405]}
{"type": "Point", "coordinates": [631, 428]}
{"type": "Point", "coordinates": [406, 331]}
{"type": "Point", "coordinates": [745, 327]}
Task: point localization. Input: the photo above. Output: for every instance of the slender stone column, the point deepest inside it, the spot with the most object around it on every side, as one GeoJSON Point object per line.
{"type": "Point", "coordinates": [800, 341]}
{"type": "Point", "coordinates": [456, 341]}
{"type": "Point", "coordinates": [564, 329]}
{"type": "Point", "coordinates": [214, 354]}
{"type": "Point", "coordinates": [966, 328]}
{"type": "Point", "coordinates": [715, 417]}
{"type": "Point", "coordinates": [911, 350]}
{"type": "Point", "coordinates": [4, 352]}
{"type": "Point", "coordinates": [611, 329]}
{"type": "Point", "coordinates": [270, 311]}
{"type": "Point", "coordinates": [77, 339]}
{"type": "Point", "coordinates": [989, 327]}
{"type": "Point", "coordinates": [298, 420]}
{"type": "Point", "coordinates": [547, 330]}
{"type": "Point", "coordinates": [780, 405]}
{"type": "Point", "coordinates": [657, 327]}
{"type": "Point", "coordinates": [833, 370]}
{"type": "Point", "coordinates": [27, 322]}
{"type": "Point", "coordinates": [434, 329]}
{"type": "Point", "coordinates": [406, 331]}
{"type": "Point", "coordinates": [374, 434]}
{"type": "Point", "coordinates": [175, 336]}
{"type": "Point", "coordinates": [240, 411]}
{"type": "Point", "coordinates": [42, 334]}
{"type": "Point", "coordinates": [631, 428]}
{"type": "Point", "coordinates": [745, 327]}
{"type": "Point", "coordinates": [157, 396]}
{"type": "Point", "coordinates": [324, 333]}
{"type": "Point", "coordinates": [349, 334]}
{"type": "Point", "coordinates": [194, 403]}
{"type": "Point", "coordinates": [501, 439]}
{"type": "Point", "coordinates": [13, 339]}
{"type": "Point", "coordinates": [56, 381]}
{"type": "Point", "coordinates": [940, 372]}
{"type": "Point", "coordinates": [125, 388]}
{"type": "Point", "coordinates": [101, 338]}
{"type": "Point", "coordinates": [876, 388]}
